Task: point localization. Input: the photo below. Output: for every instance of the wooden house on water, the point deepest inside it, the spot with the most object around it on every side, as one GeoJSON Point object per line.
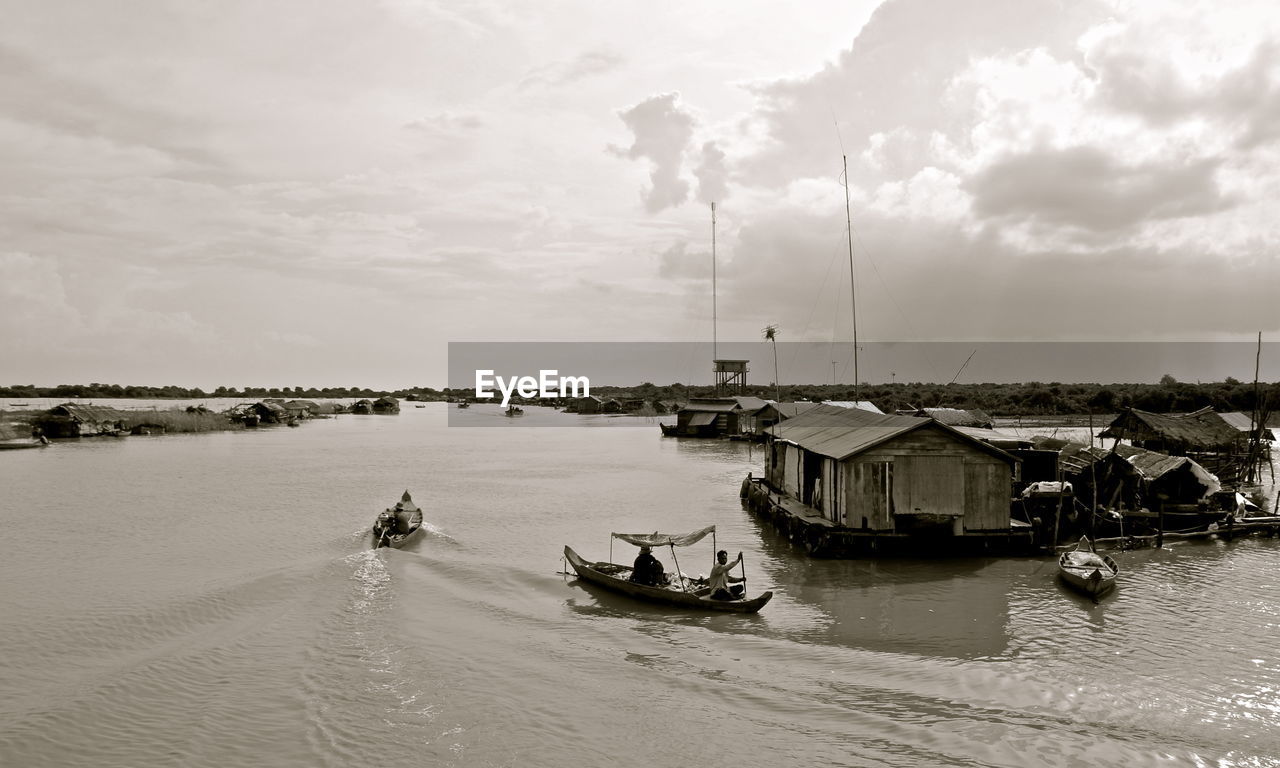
{"type": "Point", "coordinates": [1215, 441]}
{"type": "Point", "coordinates": [716, 416]}
{"type": "Point", "coordinates": [843, 482]}
{"type": "Point", "coordinates": [386, 404]}
{"type": "Point", "coordinates": [83, 420]}
{"type": "Point", "coordinates": [1123, 491]}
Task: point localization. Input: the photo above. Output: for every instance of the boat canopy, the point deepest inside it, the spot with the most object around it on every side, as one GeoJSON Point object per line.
{"type": "Point", "coordinates": [656, 539]}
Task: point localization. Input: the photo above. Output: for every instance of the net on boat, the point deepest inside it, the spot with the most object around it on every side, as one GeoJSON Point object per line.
{"type": "Point", "coordinates": [656, 539]}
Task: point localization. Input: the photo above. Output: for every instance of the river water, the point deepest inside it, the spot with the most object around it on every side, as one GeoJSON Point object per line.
{"type": "Point", "coordinates": [211, 600]}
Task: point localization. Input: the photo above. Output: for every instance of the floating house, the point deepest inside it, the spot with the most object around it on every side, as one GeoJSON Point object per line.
{"type": "Point", "coordinates": [1216, 442]}
{"type": "Point", "coordinates": [587, 404]}
{"type": "Point", "coordinates": [80, 420]}
{"type": "Point", "coordinates": [1126, 490]}
{"type": "Point", "coordinates": [386, 404]}
{"type": "Point", "coordinates": [717, 416]}
{"type": "Point", "coordinates": [362, 406]}
{"type": "Point", "coordinates": [843, 482]}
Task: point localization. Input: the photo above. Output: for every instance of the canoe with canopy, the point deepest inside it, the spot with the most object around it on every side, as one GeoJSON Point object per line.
{"type": "Point", "coordinates": [677, 589]}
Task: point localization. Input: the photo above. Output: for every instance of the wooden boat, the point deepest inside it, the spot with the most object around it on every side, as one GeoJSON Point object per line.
{"type": "Point", "coordinates": [15, 445]}
{"type": "Point", "coordinates": [396, 526]}
{"type": "Point", "coordinates": [515, 410]}
{"type": "Point", "coordinates": [681, 593]}
{"type": "Point", "coordinates": [670, 430]}
{"type": "Point", "coordinates": [464, 404]}
{"type": "Point", "coordinates": [1086, 571]}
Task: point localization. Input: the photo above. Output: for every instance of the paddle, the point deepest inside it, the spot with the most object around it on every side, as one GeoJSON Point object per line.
{"type": "Point", "coordinates": [743, 563]}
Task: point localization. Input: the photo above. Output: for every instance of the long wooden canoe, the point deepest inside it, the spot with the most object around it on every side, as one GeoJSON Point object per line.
{"type": "Point", "coordinates": [408, 522]}
{"type": "Point", "coordinates": [615, 577]}
{"type": "Point", "coordinates": [1095, 578]}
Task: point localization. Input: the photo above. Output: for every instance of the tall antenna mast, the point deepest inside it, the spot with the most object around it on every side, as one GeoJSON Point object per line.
{"type": "Point", "coordinates": [714, 341]}
{"type": "Point", "coordinates": [853, 296]}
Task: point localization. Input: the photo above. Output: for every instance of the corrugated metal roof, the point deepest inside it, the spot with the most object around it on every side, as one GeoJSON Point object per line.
{"type": "Point", "coordinates": [711, 405]}
{"type": "Point", "coordinates": [998, 439]}
{"type": "Point", "coordinates": [843, 432]}
{"type": "Point", "coordinates": [749, 404]}
{"type": "Point", "coordinates": [792, 410]}
{"type": "Point", "coordinates": [865, 405]}
{"type": "Point", "coordinates": [1243, 422]}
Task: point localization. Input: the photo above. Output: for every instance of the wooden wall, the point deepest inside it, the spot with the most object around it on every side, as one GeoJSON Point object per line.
{"type": "Point", "coordinates": [929, 469]}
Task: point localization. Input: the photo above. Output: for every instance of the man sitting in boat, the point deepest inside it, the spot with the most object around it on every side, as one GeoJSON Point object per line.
{"type": "Point", "coordinates": [647, 570]}
{"type": "Point", "coordinates": [386, 523]}
{"type": "Point", "coordinates": [720, 578]}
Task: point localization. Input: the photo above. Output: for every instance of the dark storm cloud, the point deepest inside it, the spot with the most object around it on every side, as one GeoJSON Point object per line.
{"type": "Point", "coordinates": [1087, 188]}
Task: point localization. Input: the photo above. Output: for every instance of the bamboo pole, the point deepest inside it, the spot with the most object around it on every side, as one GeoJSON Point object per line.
{"type": "Point", "coordinates": [679, 576]}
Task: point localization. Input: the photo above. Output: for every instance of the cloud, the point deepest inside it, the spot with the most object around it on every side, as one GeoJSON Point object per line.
{"type": "Point", "coordinates": [712, 174]}
{"type": "Point", "coordinates": [1086, 188]}
{"type": "Point", "coordinates": [581, 67]}
{"type": "Point", "coordinates": [662, 131]}
{"type": "Point", "coordinates": [677, 263]}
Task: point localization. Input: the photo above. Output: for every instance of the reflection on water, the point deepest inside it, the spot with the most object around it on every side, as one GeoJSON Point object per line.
{"type": "Point", "coordinates": [218, 605]}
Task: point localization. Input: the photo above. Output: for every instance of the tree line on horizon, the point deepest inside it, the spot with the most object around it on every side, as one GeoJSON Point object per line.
{"type": "Point", "coordinates": [1022, 399]}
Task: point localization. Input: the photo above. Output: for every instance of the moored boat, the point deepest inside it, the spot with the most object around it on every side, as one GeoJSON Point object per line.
{"type": "Point", "coordinates": [1086, 571]}
{"type": "Point", "coordinates": [396, 526]}
{"type": "Point", "coordinates": [15, 445]}
{"type": "Point", "coordinates": [676, 589]}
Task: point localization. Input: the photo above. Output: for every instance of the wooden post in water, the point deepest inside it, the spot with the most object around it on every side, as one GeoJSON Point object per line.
{"type": "Point", "coordinates": [1057, 513]}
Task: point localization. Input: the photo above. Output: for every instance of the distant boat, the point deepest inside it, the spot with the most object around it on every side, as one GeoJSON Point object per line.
{"type": "Point", "coordinates": [1086, 571]}
{"type": "Point", "coordinates": [464, 404]}
{"type": "Point", "coordinates": [515, 410]}
{"type": "Point", "coordinates": [396, 526]}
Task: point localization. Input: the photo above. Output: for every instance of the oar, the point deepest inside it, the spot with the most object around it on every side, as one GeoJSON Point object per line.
{"type": "Point", "coordinates": [743, 563]}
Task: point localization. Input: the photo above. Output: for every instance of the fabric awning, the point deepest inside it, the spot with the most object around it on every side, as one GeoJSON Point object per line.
{"type": "Point", "coordinates": [665, 539]}
{"type": "Point", "coordinates": [702, 419]}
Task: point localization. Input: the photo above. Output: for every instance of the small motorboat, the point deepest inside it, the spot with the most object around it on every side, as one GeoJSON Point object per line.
{"type": "Point", "coordinates": [397, 525]}
{"type": "Point", "coordinates": [1085, 571]}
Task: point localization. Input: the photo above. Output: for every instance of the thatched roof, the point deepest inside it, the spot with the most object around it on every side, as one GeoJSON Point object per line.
{"type": "Point", "coordinates": [1075, 458]}
{"type": "Point", "coordinates": [1200, 430]}
{"type": "Point", "coordinates": [89, 414]}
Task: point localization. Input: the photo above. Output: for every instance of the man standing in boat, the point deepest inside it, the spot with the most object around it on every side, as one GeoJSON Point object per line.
{"type": "Point", "coordinates": [720, 579]}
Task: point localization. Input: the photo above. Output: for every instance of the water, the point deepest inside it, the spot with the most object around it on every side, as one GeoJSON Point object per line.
{"type": "Point", "coordinates": [210, 600]}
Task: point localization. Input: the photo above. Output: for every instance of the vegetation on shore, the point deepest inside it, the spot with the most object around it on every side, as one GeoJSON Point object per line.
{"type": "Point", "coordinates": [1027, 399]}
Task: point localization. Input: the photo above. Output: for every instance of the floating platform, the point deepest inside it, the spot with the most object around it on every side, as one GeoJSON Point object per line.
{"type": "Point", "coordinates": [818, 537]}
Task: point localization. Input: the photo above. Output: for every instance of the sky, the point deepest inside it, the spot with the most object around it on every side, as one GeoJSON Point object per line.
{"type": "Point", "coordinates": [328, 193]}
